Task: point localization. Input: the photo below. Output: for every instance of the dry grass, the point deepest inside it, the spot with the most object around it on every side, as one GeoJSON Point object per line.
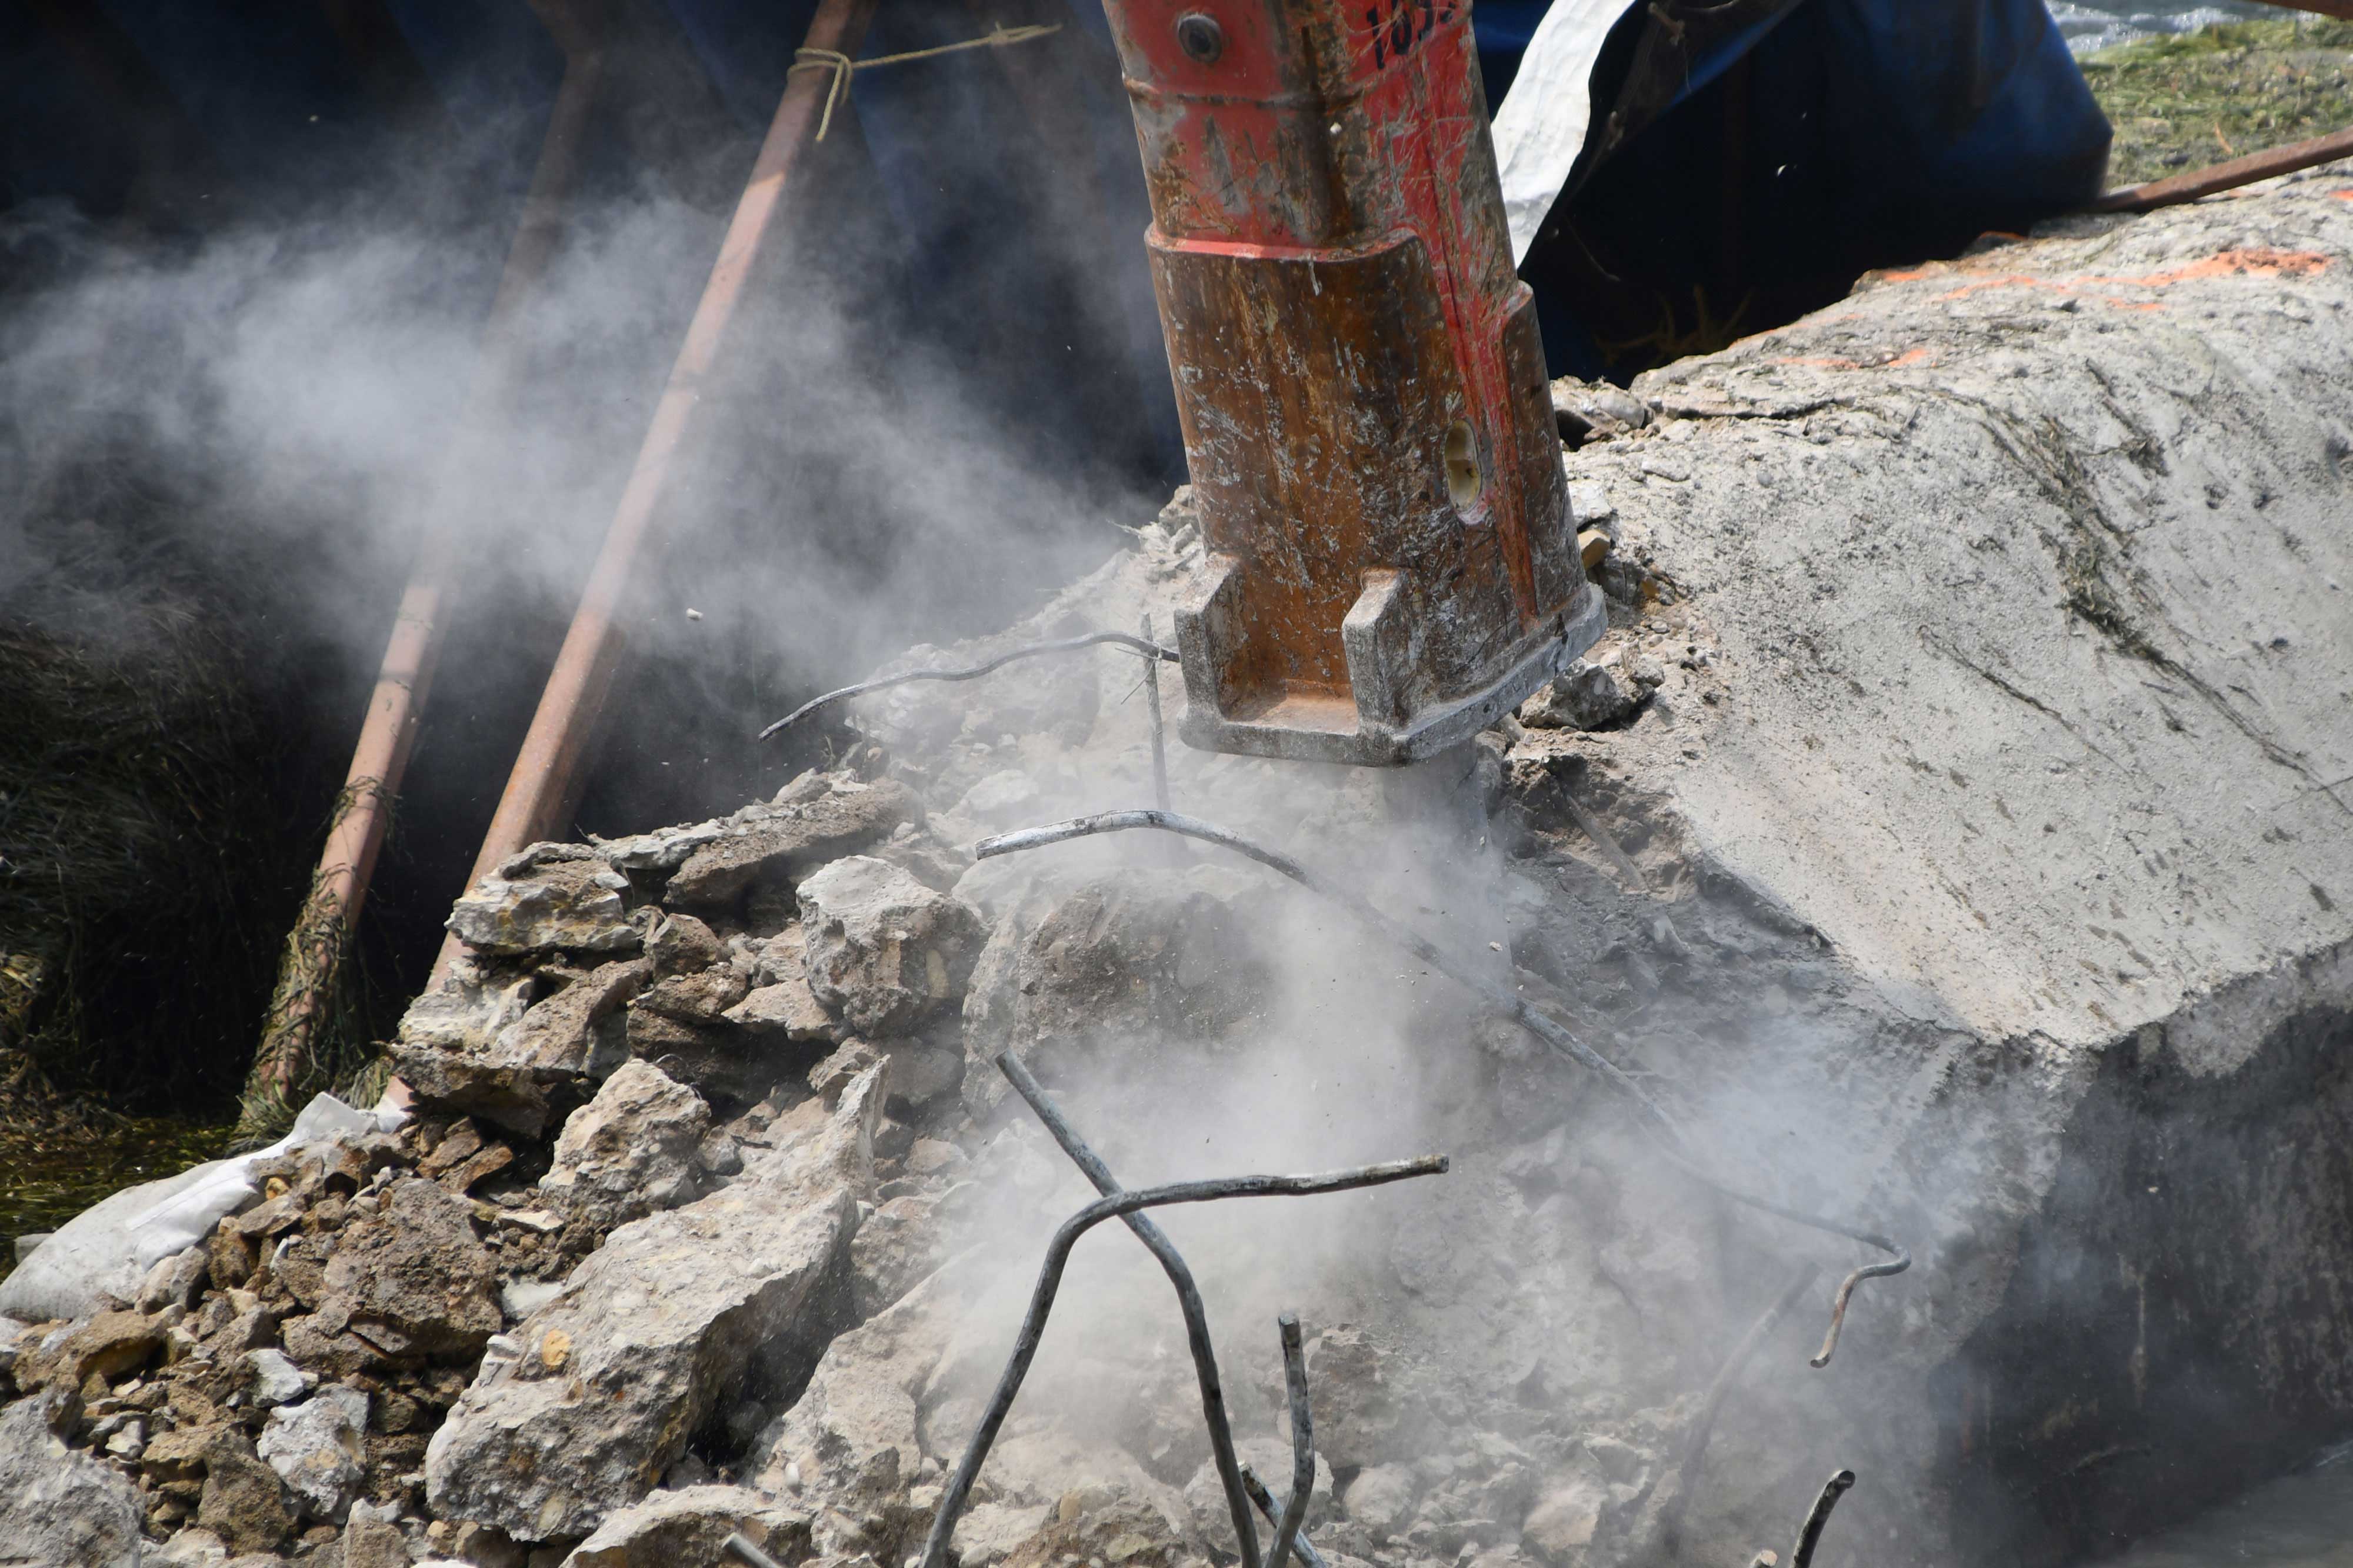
{"type": "Point", "coordinates": [2193, 98]}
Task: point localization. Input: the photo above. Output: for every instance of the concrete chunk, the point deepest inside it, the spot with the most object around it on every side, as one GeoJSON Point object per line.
{"type": "Point", "coordinates": [652, 1331]}
{"type": "Point", "coordinates": [782, 843]}
{"type": "Point", "coordinates": [885, 951]}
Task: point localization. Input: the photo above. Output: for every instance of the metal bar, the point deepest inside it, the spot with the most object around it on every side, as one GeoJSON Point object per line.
{"type": "Point", "coordinates": [555, 749]}
{"type": "Point", "coordinates": [1144, 644]}
{"type": "Point", "coordinates": [1159, 738]}
{"type": "Point", "coordinates": [1666, 1136]}
{"type": "Point", "coordinates": [1303, 1442]}
{"type": "Point", "coordinates": [315, 949]}
{"type": "Point", "coordinates": [741, 1544]}
{"type": "Point", "coordinates": [2175, 189]}
{"type": "Point", "coordinates": [1049, 1281]}
{"type": "Point", "coordinates": [1188, 1297]}
{"type": "Point", "coordinates": [1308, 1555]}
{"type": "Point", "coordinates": [2339, 8]}
{"type": "Point", "coordinates": [1702, 1425]}
{"type": "Point", "coordinates": [1809, 1534]}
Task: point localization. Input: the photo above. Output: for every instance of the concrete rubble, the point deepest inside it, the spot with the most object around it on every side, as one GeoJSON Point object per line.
{"type": "Point", "coordinates": [1948, 851]}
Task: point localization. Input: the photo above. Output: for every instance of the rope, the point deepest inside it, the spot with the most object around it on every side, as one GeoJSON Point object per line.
{"type": "Point", "coordinates": [843, 68]}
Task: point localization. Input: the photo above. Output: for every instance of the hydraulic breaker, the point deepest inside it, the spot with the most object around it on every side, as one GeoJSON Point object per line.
{"type": "Point", "coordinates": [1392, 560]}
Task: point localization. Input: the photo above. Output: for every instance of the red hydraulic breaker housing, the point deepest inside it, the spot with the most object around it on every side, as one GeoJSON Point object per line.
{"type": "Point", "coordinates": [1392, 562]}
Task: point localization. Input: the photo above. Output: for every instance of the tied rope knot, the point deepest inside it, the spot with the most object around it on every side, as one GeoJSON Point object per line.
{"type": "Point", "coordinates": [843, 68]}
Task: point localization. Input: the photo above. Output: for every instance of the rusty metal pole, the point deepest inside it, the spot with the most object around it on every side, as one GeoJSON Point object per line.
{"type": "Point", "coordinates": [2175, 189]}
{"type": "Point", "coordinates": [2342, 9]}
{"type": "Point", "coordinates": [540, 789]}
{"type": "Point", "coordinates": [315, 949]}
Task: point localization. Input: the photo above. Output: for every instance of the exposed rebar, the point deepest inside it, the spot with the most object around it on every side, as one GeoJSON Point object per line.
{"type": "Point", "coordinates": [1050, 1280]}
{"type": "Point", "coordinates": [1029, 650]}
{"type": "Point", "coordinates": [1667, 1136]}
{"type": "Point", "coordinates": [1809, 1534]}
{"type": "Point", "coordinates": [1160, 739]}
{"type": "Point", "coordinates": [1189, 1299]}
{"type": "Point", "coordinates": [1897, 1265]}
{"type": "Point", "coordinates": [1303, 1442]}
{"type": "Point", "coordinates": [1267, 1506]}
{"type": "Point", "coordinates": [741, 1544]}
{"type": "Point", "coordinates": [1702, 1425]}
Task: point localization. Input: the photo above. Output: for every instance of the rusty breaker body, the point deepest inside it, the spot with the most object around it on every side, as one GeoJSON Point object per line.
{"type": "Point", "coordinates": [1392, 562]}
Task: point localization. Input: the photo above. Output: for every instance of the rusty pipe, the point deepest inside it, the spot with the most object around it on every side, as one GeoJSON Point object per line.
{"type": "Point", "coordinates": [2175, 189]}
{"type": "Point", "coordinates": [555, 749]}
{"type": "Point", "coordinates": [315, 949]}
{"type": "Point", "coordinates": [2342, 9]}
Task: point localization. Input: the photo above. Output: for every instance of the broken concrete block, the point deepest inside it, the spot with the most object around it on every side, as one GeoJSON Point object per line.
{"type": "Point", "coordinates": [315, 1447]}
{"type": "Point", "coordinates": [1151, 959]}
{"type": "Point", "coordinates": [897, 1247]}
{"type": "Point", "coordinates": [692, 1526]}
{"type": "Point", "coordinates": [1588, 697]}
{"type": "Point", "coordinates": [698, 999]}
{"type": "Point", "coordinates": [851, 1447]}
{"type": "Point", "coordinates": [59, 1506]}
{"type": "Point", "coordinates": [783, 843]}
{"type": "Point", "coordinates": [631, 1149]}
{"type": "Point", "coordinates": [681, 944]}
{"type": "Point", "coordinates": [884, 951]}
{"type": "Point", "coordinates": [415, 1280]}
{"type": "Point", "coordinates": [1561, 1525]}
{"type": "Point", "coordinates": [174, 1281]}
{"type": "Point", "coordinates": [719, 1060]}
{"type": "Point", "coordinates": [272, 1380]}
{"type": "Point", "coordinates": [549, 898]}
{"type": "Point", "coordinates": [663, 849]}
{"type": "Point", "coordinates": [109, 1346]}
{"type": "Point", "coordinates": [371, 1542]}
{"type": "Point", "coordinates": [1381, 1498]}
{"type": "Point", "coordinates": [654, 1330]}
{"type": "Point", "coordinates": [1358, 1415]}
{"type": "Point", "coordinates": [496, 1053]}
{"type": "Point", "coordinates": [243, 1501]}
{"type": "Point", "coordinates": [789, 1009]}
{"type": "Point", "coordinates": [831, 1077]}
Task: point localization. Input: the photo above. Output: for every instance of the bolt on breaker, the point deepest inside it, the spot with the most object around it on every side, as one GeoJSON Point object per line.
{"type": "Point", "coordinates": [1393, 563]}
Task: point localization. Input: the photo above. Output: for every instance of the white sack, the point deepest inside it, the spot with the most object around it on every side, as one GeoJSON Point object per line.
{"type": "Point", "coordinates": [108, 1246]}
{"type": "Point", "coordinates": [1541, 125]}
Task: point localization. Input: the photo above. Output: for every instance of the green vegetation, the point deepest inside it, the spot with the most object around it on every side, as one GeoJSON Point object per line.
{"type": "Point", "coordinates": [61, 1163]}
{"type": "Point", "coordinates": [2194, 98]}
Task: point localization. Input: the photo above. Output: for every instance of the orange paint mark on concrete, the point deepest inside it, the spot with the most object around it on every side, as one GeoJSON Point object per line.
{"type": "Point", "coordinates": [2254, 261]}
{"type": "Point", "coordinates": [1909, 356]}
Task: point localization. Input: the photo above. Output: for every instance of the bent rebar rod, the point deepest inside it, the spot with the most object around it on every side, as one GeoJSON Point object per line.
{"type": "Point", "coordinates": [1667, 1136]}
{"type": "Point", "coordinates": [1809, 1534]}
{"type": "Point", "coordinates": [741, 1544]}
{"type": "Point", "coordinates": [1029, 650]}
{"type": "Point", "coordinates": [1188, 1297]}
{"type": "Point", "coordinates": [1303, 1443]}
{"type": "Point", "coordinates": [1702, 1425]}
{"type": "Point", "coordinates": [1050, 1280]}
{"type": "Point", "coordinates": [1266, 1505]}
